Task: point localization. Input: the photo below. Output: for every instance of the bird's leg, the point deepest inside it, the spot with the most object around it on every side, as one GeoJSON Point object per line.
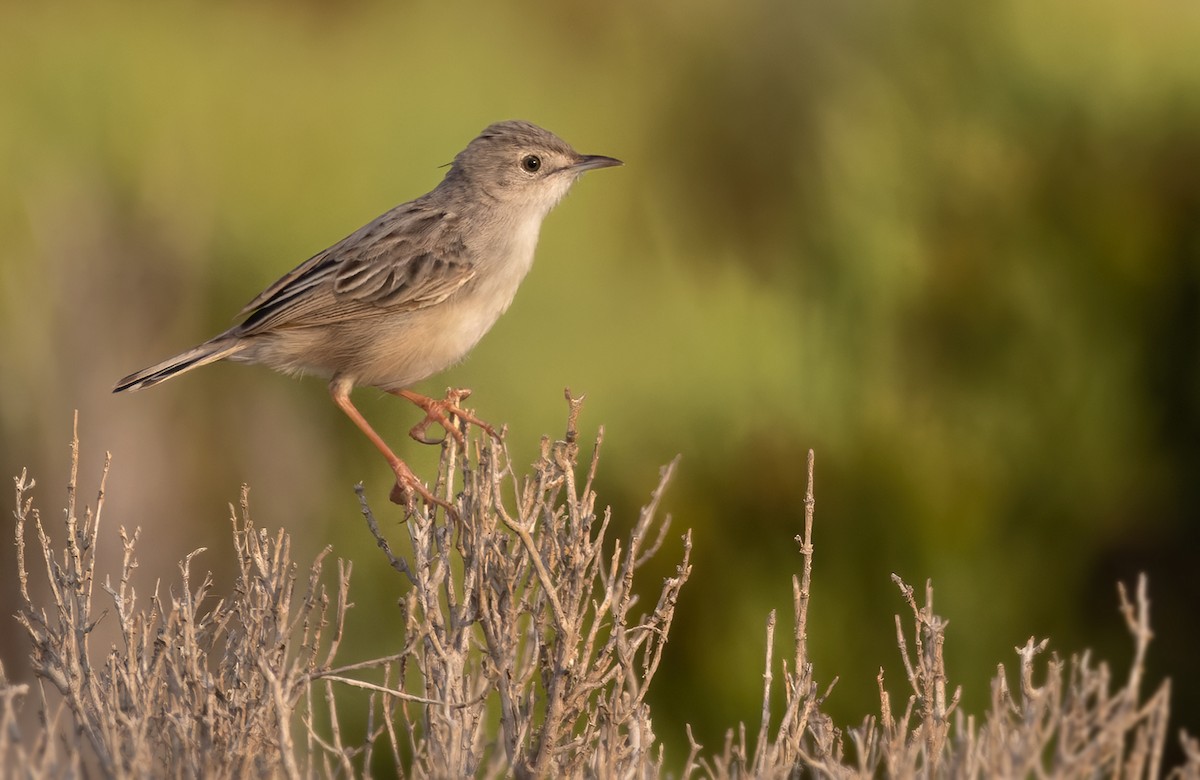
{"type": "Point", "coordinates": [407, 483]}
{"type": "Point", "coordinates": [440, 412]}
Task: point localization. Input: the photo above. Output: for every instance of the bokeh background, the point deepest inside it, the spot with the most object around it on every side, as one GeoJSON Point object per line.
{"type": "Point", "coordinates": [954, 248]}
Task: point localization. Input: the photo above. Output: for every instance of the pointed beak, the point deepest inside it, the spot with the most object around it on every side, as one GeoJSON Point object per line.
{"type": "Point", "coordinates": [589, 162]}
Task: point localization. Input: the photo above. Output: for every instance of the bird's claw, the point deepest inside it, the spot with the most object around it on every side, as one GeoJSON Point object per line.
{"type": "Point", "coordinates": [440, 412]}
{"type": "Point", "coordinates": [408, 487]}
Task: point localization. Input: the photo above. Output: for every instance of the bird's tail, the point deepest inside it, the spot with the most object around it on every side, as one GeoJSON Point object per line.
{"type": "Point", "coordinates": [208, 352]}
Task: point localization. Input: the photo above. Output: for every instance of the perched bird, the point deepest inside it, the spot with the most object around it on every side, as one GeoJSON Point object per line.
{"type": "Point", "coordinates": [411, 292]}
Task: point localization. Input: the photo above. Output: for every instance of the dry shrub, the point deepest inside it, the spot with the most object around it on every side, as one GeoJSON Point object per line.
{"type": "Point", "coordinates": [524, 653]}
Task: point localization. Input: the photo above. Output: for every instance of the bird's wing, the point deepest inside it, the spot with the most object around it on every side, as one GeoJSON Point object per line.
{"type": "Point", "coordinates": [402, 261]}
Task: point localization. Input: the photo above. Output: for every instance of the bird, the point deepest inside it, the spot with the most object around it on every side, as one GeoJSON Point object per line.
{"type": "Point", "coordinates": [410, 293]}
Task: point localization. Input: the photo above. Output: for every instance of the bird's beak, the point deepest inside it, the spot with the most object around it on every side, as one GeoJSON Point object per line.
{"type": "Point", "coordinates": [588, 162]}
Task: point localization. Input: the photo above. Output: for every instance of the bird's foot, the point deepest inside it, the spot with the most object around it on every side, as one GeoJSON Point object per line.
{"type": "Point", "coordinates": [408, 487]}
{"type": "Point", "coordinates": [440, 412]}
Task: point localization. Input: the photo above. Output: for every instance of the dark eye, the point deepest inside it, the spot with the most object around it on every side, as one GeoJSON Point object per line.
{"type": "Point", "coordinates": [531, 163]}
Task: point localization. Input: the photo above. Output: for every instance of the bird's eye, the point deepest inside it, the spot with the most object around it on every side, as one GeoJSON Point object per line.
{"type": "Point", "coordinates": [531, 163]}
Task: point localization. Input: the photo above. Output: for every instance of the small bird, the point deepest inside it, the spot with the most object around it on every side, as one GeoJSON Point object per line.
{"type": "Point", "coordinates": [410, 293]}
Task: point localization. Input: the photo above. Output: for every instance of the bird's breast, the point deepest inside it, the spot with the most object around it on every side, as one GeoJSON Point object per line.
{"type": "Point", "coordinates": [441, 335]}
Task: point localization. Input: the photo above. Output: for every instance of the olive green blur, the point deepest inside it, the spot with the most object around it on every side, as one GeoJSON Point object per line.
{"type": "Point", "coordinates": [954, 248]}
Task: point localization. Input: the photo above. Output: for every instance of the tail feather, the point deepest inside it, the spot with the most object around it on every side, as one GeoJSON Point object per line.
{"type": "Point", "coordinates": [202, 355]}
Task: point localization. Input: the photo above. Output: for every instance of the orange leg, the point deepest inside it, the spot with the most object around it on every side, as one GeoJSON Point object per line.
{"type": "Point", "coordinates": [440, 412]}
{"type": "Point", "coordinates": [406, 481]}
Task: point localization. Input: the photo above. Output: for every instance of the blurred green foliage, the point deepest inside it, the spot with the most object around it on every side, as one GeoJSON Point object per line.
{"type": "Point", "coordinates": [953, 248]}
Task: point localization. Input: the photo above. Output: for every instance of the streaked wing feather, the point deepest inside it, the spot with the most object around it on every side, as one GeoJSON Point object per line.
{"type": "Point", "coordinates": [402, 261]}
